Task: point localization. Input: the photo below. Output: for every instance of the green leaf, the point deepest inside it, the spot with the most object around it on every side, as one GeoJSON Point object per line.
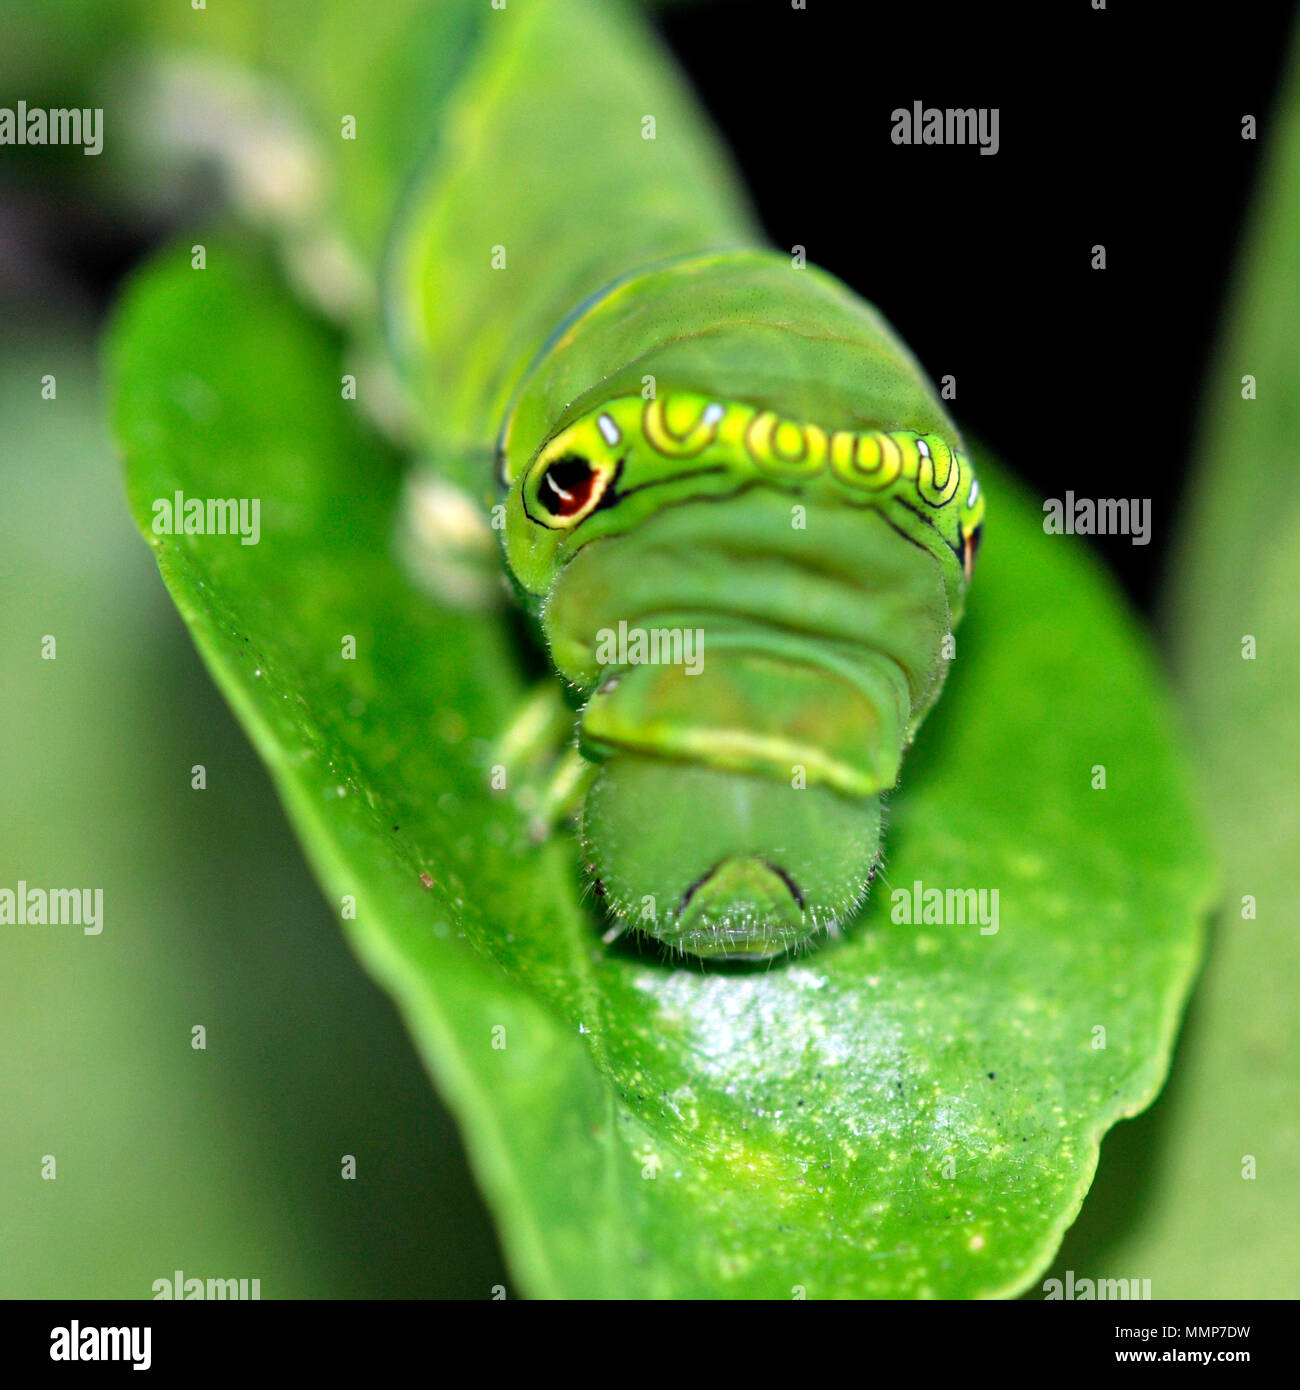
{"type": "Point", "coordinates": [911, 1110]}
{"type": "Point", "coordinates": [1206, 1227]}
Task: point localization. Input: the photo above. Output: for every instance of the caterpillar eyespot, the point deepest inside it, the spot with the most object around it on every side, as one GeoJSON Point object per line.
{"type": "Point", "coordinates": [568, 487]}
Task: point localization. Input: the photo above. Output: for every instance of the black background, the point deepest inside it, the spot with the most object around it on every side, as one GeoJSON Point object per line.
{"type": "Point", "coordinates": [1119, 127]}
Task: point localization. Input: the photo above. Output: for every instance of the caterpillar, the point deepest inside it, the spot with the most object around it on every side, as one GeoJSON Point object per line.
{"type": "Point", "coordinates": [819, 565]}
{"type": "Point", "coordinates": [703, 443]}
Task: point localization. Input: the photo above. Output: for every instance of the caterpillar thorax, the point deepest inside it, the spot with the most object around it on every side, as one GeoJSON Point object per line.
{"type": "Point", "coordinates": [629, 458]}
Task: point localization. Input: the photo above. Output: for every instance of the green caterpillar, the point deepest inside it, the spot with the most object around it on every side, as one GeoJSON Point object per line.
{"type": "Point", "coordinates": [819, 563]}
{"type": "Point", "coordinates": [680, 434]}
{"type": "Point", "coordinates": [699, 439]}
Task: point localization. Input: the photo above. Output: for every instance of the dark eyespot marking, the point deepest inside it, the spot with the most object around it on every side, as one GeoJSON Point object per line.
{"type": "Point", "coordinates": [567, 486]}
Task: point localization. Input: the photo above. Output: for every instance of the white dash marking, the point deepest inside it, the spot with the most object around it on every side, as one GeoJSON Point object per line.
{"type": "Point", "coordinates": [713, 413]}
{"type": "Point", "coordinates": [608, 429]}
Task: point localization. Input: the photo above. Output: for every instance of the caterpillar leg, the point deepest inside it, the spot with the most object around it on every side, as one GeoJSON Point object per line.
{"type": "Point", "coordinates": [537, 762]}
{"type": "Point", "coordinates": [562, 795]}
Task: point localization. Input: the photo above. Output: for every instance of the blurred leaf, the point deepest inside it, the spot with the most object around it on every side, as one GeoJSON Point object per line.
{"type": "Point", "coordinates": [1204, 1229]}
{"type": "Point", "coordinates": [651, 1129]}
